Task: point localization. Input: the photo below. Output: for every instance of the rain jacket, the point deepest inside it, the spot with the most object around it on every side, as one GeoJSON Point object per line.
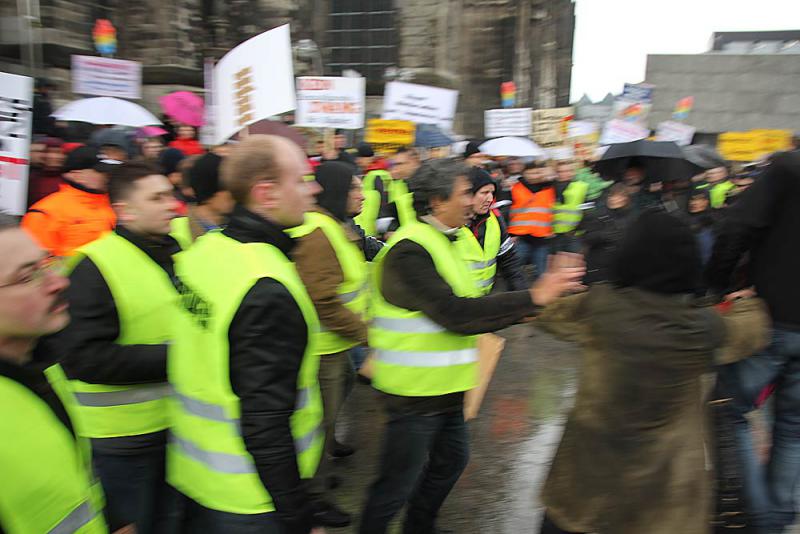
{"type": "Point", "coordinates": [632, 457]}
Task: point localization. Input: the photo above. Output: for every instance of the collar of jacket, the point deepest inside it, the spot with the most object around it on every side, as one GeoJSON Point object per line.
{"type": "Point", "coordinates": [246, 226]}
{"type": "Point", "coordinates": [450, 233]}
{"type": "Point", "coordinates": [535, 188]}
{"type": "Point", "coordinates": [79, 187]}
{"type": "Point", "coordinates": [158, 249]}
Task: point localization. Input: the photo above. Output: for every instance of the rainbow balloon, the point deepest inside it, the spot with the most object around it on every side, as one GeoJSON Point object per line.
{"type": "Point", "coordinates": [105, 37]}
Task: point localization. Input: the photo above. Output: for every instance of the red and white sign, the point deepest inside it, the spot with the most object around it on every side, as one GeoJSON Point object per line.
{"type": "Point", "coordinates": [16, 106]}
{"type": "Point", "coordinates": [103, 76]}
{"type": "Point", "coordinates": [330, 102]}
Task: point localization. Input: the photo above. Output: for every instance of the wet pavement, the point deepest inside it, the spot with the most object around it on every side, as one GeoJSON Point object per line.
{"type": "Point", "coordinates": [513, 439]}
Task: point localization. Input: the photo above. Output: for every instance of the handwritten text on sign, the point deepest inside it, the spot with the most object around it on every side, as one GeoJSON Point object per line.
{"type": "Point", "coordinates": [330, 102]}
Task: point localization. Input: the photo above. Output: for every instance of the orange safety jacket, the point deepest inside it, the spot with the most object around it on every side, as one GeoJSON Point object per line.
{"type": "Point", "coordinates": [68, 219]}
{"type": "Point", "coordinates": [531, 213]}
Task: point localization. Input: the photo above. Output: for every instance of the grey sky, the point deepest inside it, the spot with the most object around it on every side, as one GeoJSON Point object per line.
{"type": "Point", "coordinates": [613, 37]}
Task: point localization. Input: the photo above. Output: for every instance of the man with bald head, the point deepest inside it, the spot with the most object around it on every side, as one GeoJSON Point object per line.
{"type": "Point", "coordinates": [247, 420]}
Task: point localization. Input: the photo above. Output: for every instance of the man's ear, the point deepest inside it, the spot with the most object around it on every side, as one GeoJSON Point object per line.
{"type": "Point", "coordinates": [123, 211]}
{"type": "Point", "coordinates": [265, 194]}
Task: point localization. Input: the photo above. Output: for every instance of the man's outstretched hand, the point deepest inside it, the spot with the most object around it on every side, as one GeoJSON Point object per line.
{"type": "Point", "coordinates": [564, 275]}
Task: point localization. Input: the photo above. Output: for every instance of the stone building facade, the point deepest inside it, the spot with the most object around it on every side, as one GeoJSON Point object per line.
{"type": "Point", "coordinates": [469, 45]}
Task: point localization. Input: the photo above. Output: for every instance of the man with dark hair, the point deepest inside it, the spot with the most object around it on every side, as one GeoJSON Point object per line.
{"type": "Point", "coordinates": [79, 212]}
{"type": "Point", "coordinates": [427, 311]}
{"type": "Point", "coordinates": [122, 303]}
{"type": "Point", "coordinates": [48, 484]}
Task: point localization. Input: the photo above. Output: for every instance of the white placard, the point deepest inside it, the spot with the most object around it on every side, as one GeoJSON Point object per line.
{"type": "Point", "coordinates": [16, 105]}
{"type": "Point", "coordinates": [102, 76]}
{"type": "Point", "coordinates": [681, 134]}
{"type": "Point", "coordinates": [421, 104]}
{"type": "Point", "coordinates": [619, 131]}
{"type": "Point", "coordinates": [253, 81]}
{"type": "Point", "coordinates": [581, 128]}
{"type": "Point", "coordinates": [330, 102]}
{"type": "Point", "coordinates": [505, 122]}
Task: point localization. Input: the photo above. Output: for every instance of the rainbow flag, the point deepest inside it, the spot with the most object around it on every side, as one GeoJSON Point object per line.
{"type": "Point", "coordinates": [682, 108]}
{"type": "Point", "coordinates": [508, 94]}
{"type": "Point", "coordinates": [105, 37]}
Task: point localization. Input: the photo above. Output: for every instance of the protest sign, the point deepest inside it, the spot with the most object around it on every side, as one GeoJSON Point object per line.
{"type": "Point", "coordinates": [421, 104]}
{"type": "Point", "coordinates": [550, 126]}
{"type": "Point", "coordinates": [503, 122]}
{"type": "Point", "coordinates": [16, 106]}
{"type": "Point", "coordinates": [102, 76]}
{"type": "Point", "coordinates": [253, 81]}
{"type": "Point", "coordinates": [388, 135]}
{"type": "Point", "coordinates": [330, 102]}
{"type": "Point", "coordinates": [619, 131]}
{"type": "Point", "coordinates": [752, 145]}
{"type": "Point", "coordinates": [634, 104]}
{"type": "Point", "coordinates": [677, 132]}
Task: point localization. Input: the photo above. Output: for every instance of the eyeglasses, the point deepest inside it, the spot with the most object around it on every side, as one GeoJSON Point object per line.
{"type": "Point", "coordinates": [36, 273]}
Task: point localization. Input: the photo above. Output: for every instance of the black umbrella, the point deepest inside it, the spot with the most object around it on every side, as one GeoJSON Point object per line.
{"type": "Point", "coordinates": [662, 161]}
{"type": "Point", "coordinates": [703, 157]}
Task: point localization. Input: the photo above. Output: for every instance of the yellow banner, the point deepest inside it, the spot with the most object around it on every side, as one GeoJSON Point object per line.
{"type": "Point", "coordinates": [752, 145]}
{"type": "Point", "coordinates": [393, 132]}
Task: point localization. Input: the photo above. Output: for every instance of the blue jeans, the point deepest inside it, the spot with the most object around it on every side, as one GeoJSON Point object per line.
{"type": "Point", "coordinates": [423, 457]}
{"type": "Point", "coordinates": [198, 519]}
{"type": "Point", "coordinates": [136, 491]}
{"type": "Point", "coordinates": [769, 489]}
{"type": "Point", "coordinates": [533, 254]}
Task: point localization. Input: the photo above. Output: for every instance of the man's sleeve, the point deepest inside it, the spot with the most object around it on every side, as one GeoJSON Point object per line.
{"type": "Point", "coordinates": [745, 222]}
{"type": "Point", "coordinates": [88, 343]}
{"type": "Point", "coordinates": [267, 338]}
{"type": "Point", "coordinates": [508, 263]}
{"type": "Point", "coordinates": [410, 281]}
{"type": "Point", "coordinates": [319, 268]}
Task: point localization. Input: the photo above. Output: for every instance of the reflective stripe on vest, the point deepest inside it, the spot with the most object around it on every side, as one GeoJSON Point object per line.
{"type": "Point", "coordinates": [351, 291]}
{"type": "Point", "coordinates": [77, 518]}
{"type": "Point", "coordinates": [481, 259]}
{"type": "Point", "coordinates": [146, 302]}
{"type": "Point", "coordinates": [207, 459]}
{"type": "Point", "coordinates": [127, 396]}
{"type": "Point", "coordinates": [531, 213]}
{"type": "Point", "coordinates": [414, 355]}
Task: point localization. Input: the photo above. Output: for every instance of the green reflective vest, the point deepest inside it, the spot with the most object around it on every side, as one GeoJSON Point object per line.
{"type": "Point", "coordinates": [206, 456]}
{"type": "Point", "coordinates": [368, 217]}
{"type": "Point", "coordinates": [145, 300]}
{"type": "Point", "coordinates": [353, 290]}
{"type": "Point", "coordinates": [567, 215]}
{"type": "Point", "coordinates": [414, 356]}
{"type": "Point", "coordinates": [481, 260]}
{"type": "Point", "coordinates": [48, 485]}
{"type": "Point", "coordinates": [718, 192]}
{"type": "Point", "coordinates": [181, 231]}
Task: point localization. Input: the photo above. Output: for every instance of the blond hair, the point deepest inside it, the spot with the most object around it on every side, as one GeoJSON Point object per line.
{"type": "Point", "coordinates": [251, 161]}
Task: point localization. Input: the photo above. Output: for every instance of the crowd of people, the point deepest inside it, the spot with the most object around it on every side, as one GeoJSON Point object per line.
{"type": "Point", "coordinates": [180, 329]}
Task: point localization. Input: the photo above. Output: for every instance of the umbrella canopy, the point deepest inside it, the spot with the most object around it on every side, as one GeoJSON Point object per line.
{"type": "Point", "coordinates": [663, 161]}
{"type": "Point", "coordinates": [431, 136]}
{"type": "Point", "coordinates": [703, 157]}
{"type": "Point", "coordinates": [106, 110]}
{"type": "Point", "coordinates": [184, 106]}
{"type": "Point", "coordinates": [267, 127]}
{"type": "Point", "coordinates": [520, 147]}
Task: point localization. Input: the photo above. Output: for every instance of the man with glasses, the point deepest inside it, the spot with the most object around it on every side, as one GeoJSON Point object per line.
{"type": "Point", "coordinates": [48, 483]}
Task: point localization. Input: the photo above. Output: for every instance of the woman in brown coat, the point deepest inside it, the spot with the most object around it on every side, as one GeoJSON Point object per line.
{"type": "Point", "coordinates": [632, 458]}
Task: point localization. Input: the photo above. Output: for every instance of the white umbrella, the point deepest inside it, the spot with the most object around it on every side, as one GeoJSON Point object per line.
{"type": "Point", "coordinates": [106, 110]}
{"type": "Point", "coordinates": [512, 146]}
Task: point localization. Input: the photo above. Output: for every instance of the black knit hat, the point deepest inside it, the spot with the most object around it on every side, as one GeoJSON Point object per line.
{"type": "Point", "coordinates": [480, 178]}
{"type": "Point", "coordinates": [204, 177]}
{"type": "Point", "coordinates": [659, 253]}
{"type": "Point", "coordinates": [364, 150]}
{"type": "Point", "coordinates": [471, 149]}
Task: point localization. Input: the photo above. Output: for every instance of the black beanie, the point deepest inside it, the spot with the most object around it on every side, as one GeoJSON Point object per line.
{"type": "Point", "coordinates": [659, 253]}
{"type": "Point", "coordinates": [204, 177]}
{"type": "Point", "coordinates": [169, 159]}
{"type": "Point", "coordinates": [480, 178]}
{"type": "Point", "coordinates": [364, 150]}
{"type": "Point", "coordinates": [471, 148]}
{"type": "Point", "coordinates": [335, 178]}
